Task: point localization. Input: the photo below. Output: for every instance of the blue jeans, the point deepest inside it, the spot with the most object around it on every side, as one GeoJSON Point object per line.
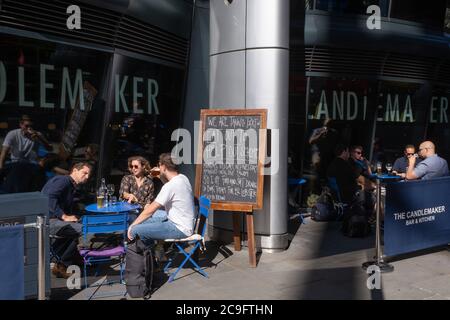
{"type": "Point", "coordinates": [157, 227]}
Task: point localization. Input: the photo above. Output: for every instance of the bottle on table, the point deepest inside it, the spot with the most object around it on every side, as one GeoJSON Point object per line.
{"type": "Point", "coordinates": [101, 194]}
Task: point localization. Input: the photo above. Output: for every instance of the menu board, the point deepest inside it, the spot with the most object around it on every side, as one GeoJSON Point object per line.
{"type": "Point", "coordinates": [77, 120]}
{"type": "Point", "coordinates": [231, 153]}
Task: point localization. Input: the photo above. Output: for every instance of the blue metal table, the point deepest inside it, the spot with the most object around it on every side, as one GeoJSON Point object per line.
{"type": "Point", "coordinates": [121, 206]}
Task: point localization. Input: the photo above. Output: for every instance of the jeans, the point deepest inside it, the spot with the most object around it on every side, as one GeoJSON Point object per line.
{"type": "Point", "coordinates": [157, 227]}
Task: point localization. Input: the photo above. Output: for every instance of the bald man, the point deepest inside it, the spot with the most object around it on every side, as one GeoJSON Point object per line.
{"type": "Point", "coordinates": [431, 167]}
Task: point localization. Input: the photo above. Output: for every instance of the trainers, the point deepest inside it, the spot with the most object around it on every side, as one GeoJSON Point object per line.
{"type": "Point", "coordinates": [60, 271]}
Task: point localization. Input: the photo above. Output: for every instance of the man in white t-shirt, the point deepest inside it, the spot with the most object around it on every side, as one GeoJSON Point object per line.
{"type": "Point", "coordinates": [177, 220]}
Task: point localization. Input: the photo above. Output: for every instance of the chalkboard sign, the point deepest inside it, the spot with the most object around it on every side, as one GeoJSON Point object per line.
{"type": "Point", "coordinates": [230, 163]}
{"type": "Point", "coordinates": [77, 120]}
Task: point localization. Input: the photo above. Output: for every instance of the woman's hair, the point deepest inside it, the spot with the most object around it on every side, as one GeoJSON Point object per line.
{"type": "Point", "coordinates": [144, 162]}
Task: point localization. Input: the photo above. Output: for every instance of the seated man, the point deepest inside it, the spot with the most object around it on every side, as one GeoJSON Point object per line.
{"type": "Point", "coordinates": [401, 164]}
{"type": "Point", "coordinates": [361, 166]}
{"type": "Point", "coordinates": [431, 167]}
{"type": "Point", "coordinates": [177, 221]}
{"type": "Point", "coordinates": [345, 175]}
{"type": "Point", "coordinates": [60, 190]}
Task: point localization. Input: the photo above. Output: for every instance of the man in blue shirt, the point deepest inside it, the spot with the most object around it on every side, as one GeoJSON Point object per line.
{"type": "Point", "coordinates": [63, 223]}
{"type": "Point", "coordinates": [402, 163]}
{"type": "Point", "coordinates": [431, 167]}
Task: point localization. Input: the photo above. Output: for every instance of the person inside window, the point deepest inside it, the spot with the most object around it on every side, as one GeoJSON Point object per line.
{"type": "Point", "coordinates": [138, 186]}
{"type": "Point", "coordinates": [23, 143]}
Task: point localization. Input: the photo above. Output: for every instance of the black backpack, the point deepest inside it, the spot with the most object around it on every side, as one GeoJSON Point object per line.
{"type": "Point", "coordinates": [355, 223]}
{"type": "Point", "coordinates": [138, 270]}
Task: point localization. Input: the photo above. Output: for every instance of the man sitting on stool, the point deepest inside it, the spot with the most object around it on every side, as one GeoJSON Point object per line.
{"type": "Point", "coordinates": [60, 190]}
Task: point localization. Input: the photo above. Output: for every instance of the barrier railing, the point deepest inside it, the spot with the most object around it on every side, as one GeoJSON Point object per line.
{"type": "Point", "coordinates": [41, 227]}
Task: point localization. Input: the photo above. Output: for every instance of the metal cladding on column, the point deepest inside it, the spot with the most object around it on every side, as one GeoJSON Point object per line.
{"type": "Point", "coordinates": [249, 68]}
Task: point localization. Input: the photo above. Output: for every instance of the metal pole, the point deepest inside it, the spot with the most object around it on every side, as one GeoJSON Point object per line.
{"type": "Point", "coordinates": [42, 235]}
{"type": "Point", "coordinates": [378, 259]}
{"type": "Point", "coordinates": [377, 232]}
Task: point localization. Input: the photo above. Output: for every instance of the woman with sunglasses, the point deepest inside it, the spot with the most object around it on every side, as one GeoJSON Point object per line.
{"type": "Point", "coordinates": [138, 187]}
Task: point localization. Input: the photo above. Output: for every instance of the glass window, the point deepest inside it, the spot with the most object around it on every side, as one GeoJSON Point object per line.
{"type": "Point", "coordinates": [145, 109]}
{"type": "Point", "coordinates": [59, 88]}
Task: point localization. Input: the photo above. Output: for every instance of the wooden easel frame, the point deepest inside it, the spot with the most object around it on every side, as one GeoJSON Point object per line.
{"type": "Point", "coordinates": [237, 207]}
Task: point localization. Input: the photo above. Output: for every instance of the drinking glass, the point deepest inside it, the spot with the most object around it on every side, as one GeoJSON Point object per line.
{"type": "Point", "coordinates": [379, 168]}
{"type": "Point", "coordinates": [389, 167]}
{"type": "Point", "coordinates": [100, 200]}
{"type": "Point", "coordinates": [110, 188]}
{"type": "Point", "coordinates": [113, 200]}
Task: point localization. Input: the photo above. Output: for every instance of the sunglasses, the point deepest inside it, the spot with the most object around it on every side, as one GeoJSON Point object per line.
{"type": "Point", "coordinates": [134, 166]}
{"type": "Point", "coordinates": [358, 152]}
{"type": "Point", "coordinates": [410, 153]}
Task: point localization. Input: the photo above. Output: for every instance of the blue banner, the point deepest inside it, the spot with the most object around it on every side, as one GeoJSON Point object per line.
{"type": "Point", "coordinates": [417, 215]}
{"type": "Point", "coordinates": [12, 263]}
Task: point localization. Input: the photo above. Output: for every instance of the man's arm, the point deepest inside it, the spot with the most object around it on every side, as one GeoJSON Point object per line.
{"type": "Point", "coordinates": [316, 135]}
{"type": "Point", "coordinates": [410, 173]}
{"type": "Point", "coordinates": [40, 137]}
{"type": "Point", "coordinates": [5, 150]}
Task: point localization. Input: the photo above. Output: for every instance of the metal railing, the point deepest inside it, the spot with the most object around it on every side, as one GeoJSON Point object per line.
{"type": "Point", "coordinates": [41, 226]}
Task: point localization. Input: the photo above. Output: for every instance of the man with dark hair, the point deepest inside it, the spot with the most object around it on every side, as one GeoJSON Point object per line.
{"type": "Point", "coordinates": [401, 164]}
{"type": "Point", "coordinates": [23, 143]}
{"type": "Point", "coordinates": [63, 223]}
{"type": "Point", "coordinates": [177, 220]}
{"type": "Point", "coordinates": [345, 175]}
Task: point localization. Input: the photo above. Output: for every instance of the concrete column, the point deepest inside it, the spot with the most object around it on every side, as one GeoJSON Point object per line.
{"type": "Point", "coordinates": [249, 68]}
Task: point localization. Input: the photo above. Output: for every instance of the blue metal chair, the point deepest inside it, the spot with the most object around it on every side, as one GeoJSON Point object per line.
{"type": "Point", "coordinates": [197, 240]}
{"type": "Point", "coordinates": [104, 224]}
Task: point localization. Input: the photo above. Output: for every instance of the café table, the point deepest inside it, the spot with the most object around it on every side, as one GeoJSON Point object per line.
{"type": "Point", "coordinates": [379, 261]}
{"type": "Point", "coordinates": [121, 206]}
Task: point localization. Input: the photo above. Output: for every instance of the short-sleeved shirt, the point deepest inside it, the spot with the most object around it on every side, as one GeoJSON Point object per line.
{"type": "Point", "coordinates": [431, 167]}
{"type": "Point", "coordinates": [177, 198]}
{"type": "Point", "coordinates": [402, 163]}
{"type": "Point", "coordinates": [145, 194]}
{"type": "Point", "coordinates": [21, 147]}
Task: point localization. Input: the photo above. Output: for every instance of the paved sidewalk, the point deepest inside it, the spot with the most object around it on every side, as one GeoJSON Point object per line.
{"type": "Point", "coordinates": [320, 263]}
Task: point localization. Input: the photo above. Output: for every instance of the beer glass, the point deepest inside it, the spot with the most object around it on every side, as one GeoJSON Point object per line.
{"type": "Point", "coordinates": [100, 200]}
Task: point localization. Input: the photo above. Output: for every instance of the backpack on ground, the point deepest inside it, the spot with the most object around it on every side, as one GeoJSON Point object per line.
{"type": "Point", "coordinates": [138, 270]}
{"type": "Point", "coordinates": [324, 208]}
{"type": "Point", "coordinates": [355, 223]}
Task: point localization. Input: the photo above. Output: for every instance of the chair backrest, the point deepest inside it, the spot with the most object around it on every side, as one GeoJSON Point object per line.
{"type": "Point", "coordinates": [105, 223]}
{"type": "Point", "coordinates": [204, 207]}
{"type": "Point", "coordinates": [332, 183]}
